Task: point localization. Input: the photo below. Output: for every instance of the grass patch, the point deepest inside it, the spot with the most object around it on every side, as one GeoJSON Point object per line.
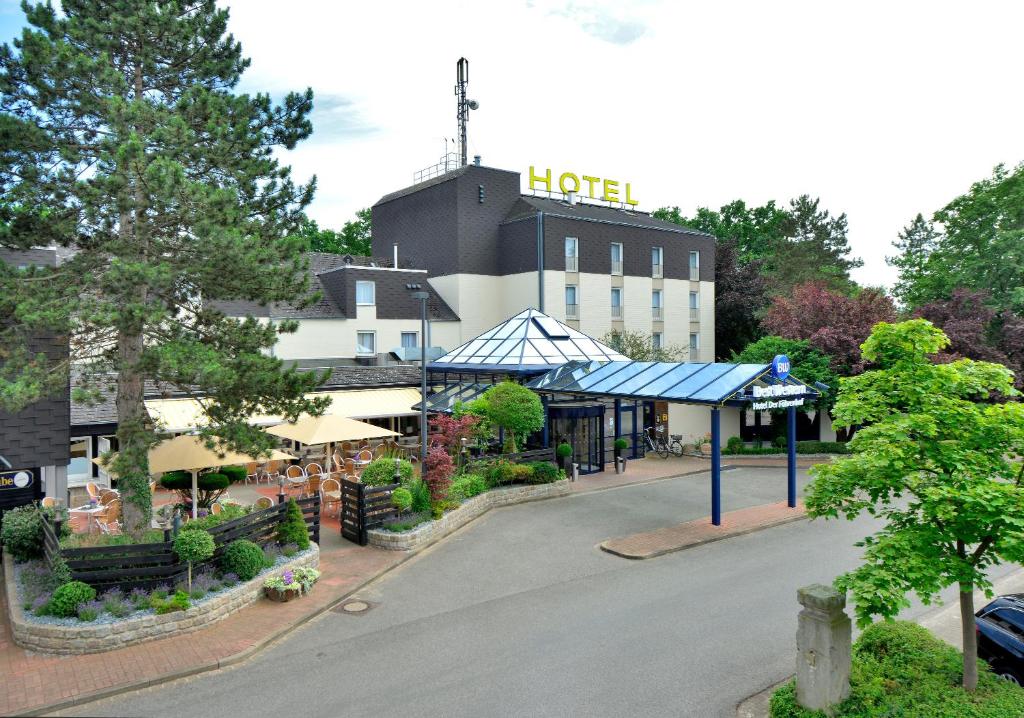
{"type": "Point", "coordinates": [900, 669]}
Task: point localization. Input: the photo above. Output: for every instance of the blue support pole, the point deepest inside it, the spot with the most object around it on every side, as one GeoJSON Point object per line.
{"type": "Point", "coordinates": [791, 456]}
{"type": "Point", "coordinates": [716, 467]}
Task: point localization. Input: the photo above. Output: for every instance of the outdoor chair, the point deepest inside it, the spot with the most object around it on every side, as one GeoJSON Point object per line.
{"type": "Point", "coordinates": [49, 502]}
{"type": "Point", "coordinates": [339, 461]}
{"type": "Point", "coordinates": [253, 472]}
{"type": "Point", "coordinates": [313, 484]}
{"type": "Point", "coordinates": [93, 489]}
{"type": "Point", "coordinates": [350, 468]}
{"type": "Point", "coordinates": [346, 448]}
{"type": "Point", "coordinates": [216, 508]}
{"type": "Point", "coordinates": [109, 520]}
{"type": "Point", "coordinates": [263, 502]}
{"type": "Point", "coordinates": [108, 495]}
{"type": "Point", "coordinates": [314, 469]}
{"type": "Point", "coordinates": [295, 477]}
{"type": "Point", "coordinates": [364, 456]}
{"type": "Point", "coordinates": [330, 493]}
{"type": "Point", "coordinates": [364, 443]}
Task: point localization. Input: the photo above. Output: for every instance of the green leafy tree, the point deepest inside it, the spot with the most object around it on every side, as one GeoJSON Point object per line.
{"type": "Point", "coordinates": [354, 237]}
{"type": "Point", "coordinates": [193, 546]}
{"type": "Point", "coordinates": [639, 346]}
{"type": "Point", "coordinates": [515, 408]}
{"type": "Point", "coordinates": [938, 460]}
{"type": "Point", "coordinates": [978, 247]}
{"type": "Point", "coordinates": [124, 141]}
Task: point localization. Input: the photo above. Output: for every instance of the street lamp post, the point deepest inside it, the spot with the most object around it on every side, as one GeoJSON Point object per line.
{"type": "Point", "coordinates": [422, 297]}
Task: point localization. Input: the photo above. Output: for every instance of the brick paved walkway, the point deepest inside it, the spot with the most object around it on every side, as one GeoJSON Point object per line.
{"type": "Point", "coordinates": [639, 471]}
{"type": "Point", "coordinates": [34, 681]}
{"type": "Point", "coordinates": [694, 533]}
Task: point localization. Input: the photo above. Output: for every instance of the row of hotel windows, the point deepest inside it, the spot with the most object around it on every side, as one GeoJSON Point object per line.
{"type": "Point", "coordinates": [658, 341]}
{"type": "Point", "coordinates": [366, 342]}
{"type": "Point", "coordinates": [572, 264]}
{"type": "Point", "coordinates": [572, 305]}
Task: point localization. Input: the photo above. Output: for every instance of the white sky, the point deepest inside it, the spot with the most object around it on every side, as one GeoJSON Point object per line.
{"type": "Point", "coordinates": [881, 109]}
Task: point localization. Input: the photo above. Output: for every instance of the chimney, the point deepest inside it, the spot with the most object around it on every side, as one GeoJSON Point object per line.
{"type": "Point", "coordinates": [396, 255]}
{"type": "Point", "coordinates": [476, 160]}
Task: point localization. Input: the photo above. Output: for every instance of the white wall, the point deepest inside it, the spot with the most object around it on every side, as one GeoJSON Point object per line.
{"type": "Point", "coordinates": [336, 338]}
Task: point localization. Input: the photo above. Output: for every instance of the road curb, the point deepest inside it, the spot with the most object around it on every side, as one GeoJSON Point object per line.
{"type": "Point", "coordinates": [756, 706]}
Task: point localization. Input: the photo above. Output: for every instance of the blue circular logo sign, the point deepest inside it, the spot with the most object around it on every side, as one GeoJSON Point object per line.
{"type": "Point", "coordinates": [780, 367]}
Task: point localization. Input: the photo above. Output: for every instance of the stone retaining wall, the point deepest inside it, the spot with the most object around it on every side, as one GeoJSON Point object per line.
{"type": "Point", "coordinates": [472, 508]}
{"type": "Point", "coordinates": [96, 638]}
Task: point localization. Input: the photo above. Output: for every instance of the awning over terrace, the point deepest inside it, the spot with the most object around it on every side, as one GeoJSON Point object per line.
{"type": "Point", "coordinates": [711, 384]}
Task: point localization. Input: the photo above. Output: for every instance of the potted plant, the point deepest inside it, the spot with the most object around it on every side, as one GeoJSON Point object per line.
{"type": "Point", "coordinates": [564, 454]}
{"type": "Point", "coordinates": [620, 461]}
{"type": "Point", "coordinates": [290, 584]}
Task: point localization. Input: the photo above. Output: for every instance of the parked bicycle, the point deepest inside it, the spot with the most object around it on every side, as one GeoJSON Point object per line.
{"type": "Point", "coordinates": [657, 443]}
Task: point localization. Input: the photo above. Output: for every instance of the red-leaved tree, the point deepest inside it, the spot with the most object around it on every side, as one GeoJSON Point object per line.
{"type": "Point", "coordinates": [439, 470]}
{"type": "Point", "coordinates": [833, 323]}
{"type": "Point", "coordinates": [449, 431]}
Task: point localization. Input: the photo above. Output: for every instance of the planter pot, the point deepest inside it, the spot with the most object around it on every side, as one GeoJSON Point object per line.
{"type": "Point", "coordinates": [281, 595]}
{"type": "Point", "coordinates": [705, 449]}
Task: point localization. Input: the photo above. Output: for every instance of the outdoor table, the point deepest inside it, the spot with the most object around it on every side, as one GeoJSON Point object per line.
{"type": "Point", "coordinates": [88, 513]}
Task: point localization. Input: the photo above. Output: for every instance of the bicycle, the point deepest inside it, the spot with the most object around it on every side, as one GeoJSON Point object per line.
{"type": "Point", "coordinates": [659, 445]}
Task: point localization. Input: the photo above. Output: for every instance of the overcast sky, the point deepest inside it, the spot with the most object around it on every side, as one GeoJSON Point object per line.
{"type": "Point", "coordinates": [881, 109]}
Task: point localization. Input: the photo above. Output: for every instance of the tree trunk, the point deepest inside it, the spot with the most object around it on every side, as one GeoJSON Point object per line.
{"type": "Point", "coordinates": [132, 437]}
{"type": "Point", "coordinates": [970, 637]}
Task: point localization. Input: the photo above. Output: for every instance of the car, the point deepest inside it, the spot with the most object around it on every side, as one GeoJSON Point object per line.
{"type": "Point", "coordinates": [1000, 631]}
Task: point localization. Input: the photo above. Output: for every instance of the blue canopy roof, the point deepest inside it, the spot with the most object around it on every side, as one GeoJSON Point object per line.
{"type": "Point", "coordinates": [683, 382]}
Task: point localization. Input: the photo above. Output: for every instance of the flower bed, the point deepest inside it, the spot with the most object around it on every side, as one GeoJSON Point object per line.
{"type": "Point", "coordinates": [427, 533]}
{"type": "Point", "coordinates": [106, 631]}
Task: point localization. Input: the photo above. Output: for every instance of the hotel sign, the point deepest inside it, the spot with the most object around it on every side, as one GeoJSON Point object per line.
{"type": "Point", "coordinates": [571, 182]}
{"type": "Point", "coordinates": [775, 394]}
{"type": "Point", "coordinates": [20, 479]}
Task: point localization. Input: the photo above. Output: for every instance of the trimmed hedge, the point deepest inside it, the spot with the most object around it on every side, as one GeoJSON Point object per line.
{"type": "Point", "coordinates": [381, 472]}
{"type": "Point", "coordinates": [66, 598]}
{"type": "Point", "coordinates": [900, 669]}
{"type": "Point", "coordinates": [242, 558]}
{"type": "Point", "coordinates": [802, 447]}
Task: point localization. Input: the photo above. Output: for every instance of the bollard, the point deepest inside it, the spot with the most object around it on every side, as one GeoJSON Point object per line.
{"type": "Point", "coordinates": [823, 642]}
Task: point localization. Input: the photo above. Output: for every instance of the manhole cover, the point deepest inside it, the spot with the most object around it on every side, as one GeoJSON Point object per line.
{"type": "Point", "coordinates": [353, 607]}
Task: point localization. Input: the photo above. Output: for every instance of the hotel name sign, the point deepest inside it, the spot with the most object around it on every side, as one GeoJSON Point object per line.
{"type": "Point", "coordinates": [775, 396]}
{"type": "Point", "coordinates": [571, 182]}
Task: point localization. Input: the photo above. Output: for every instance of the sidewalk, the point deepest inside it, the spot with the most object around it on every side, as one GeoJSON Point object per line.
{"type": "Point", "coordinates": [46, 683]}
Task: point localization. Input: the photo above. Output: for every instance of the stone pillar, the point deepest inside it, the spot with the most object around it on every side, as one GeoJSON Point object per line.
{"type": "Point", "coordinates": [823, 641]}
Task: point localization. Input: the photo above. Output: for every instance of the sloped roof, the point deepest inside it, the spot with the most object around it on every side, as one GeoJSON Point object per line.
{"type": "Point", "coordinates": [531, 341]}
{"type": "Point", "coordinates": [530, 204]}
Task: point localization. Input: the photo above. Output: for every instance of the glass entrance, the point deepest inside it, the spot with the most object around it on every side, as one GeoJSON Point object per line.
{"type": "Point", "coordinates": [582, 428]}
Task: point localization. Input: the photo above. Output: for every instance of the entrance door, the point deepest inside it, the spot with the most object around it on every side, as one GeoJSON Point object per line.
{"type": "Point", "coordinates": [582, 427]}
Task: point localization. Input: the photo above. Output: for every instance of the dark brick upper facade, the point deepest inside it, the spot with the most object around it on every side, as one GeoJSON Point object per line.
{"type": "Point", "coordinates": [441, 225]}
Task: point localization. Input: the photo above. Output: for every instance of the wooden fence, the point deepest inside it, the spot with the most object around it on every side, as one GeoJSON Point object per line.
{"type": "Point", "coordinates": [363, 508]}
{"type": "Point", "coordinates": [150, 564]}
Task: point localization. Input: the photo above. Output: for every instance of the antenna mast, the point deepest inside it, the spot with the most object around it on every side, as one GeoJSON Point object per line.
{"type": "Point", "coordinates": [464, 105]}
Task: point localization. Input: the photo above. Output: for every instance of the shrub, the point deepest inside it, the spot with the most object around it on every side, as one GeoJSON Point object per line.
{"type": "Point", "coordinates": [270, 554]}
{"type": "Point", "coordinates": [900, 669]}
{"type": "Point", "coordinates": [210, 485]}
{"type": "Point", "coordinates": [40, 606]}
{"type": "Point", "coordinates": [162, 591]}
{"type": "Point", "coordinates": [178, 602]}
{"type": "Point", "coordinates": [293, 528]}
{"type": "Point", "coordinates": [516, 408]}
{"type": "Point", "coordinates": [242, 558]}
{"type": "Point", "coordinates": [229, 579]}
{"type": "Point", "coordinates": [139, 598]}
{"type": "Point", "coordinates": [438, 472]}
{"type": "Point", "coordinates": [401, 499]}
{"type": "Point", "coordinates": [22, 532]}
{"type": "Point", "coordinates": [234, 473]}
{"type": "Point", "coordinates": [194, 546]}
{"type": "Point", "coordinates": [89, 610]}
{"type": "Point", "coordinates": [420, 496]}
{"type": "Point", "coordinates": [466, 487]}
{"type": "Point", "coordinates": [734, 445]}
{"type": "Point", "coordinates": [111, 597]}
{"type": "Point", "coordinates": [289, 550]}
{"type": "Point", "coordinates": [779, 441]}
{"type": "Point", "coordinates": [438, 508]}
{"type": "Point", "coordinates": [522, 474]}
{"type": "Point", "coordinates": [563, 451]}
{"type": "Point", "coordinates": [381, 472]}
{"type": "Point", "coordinates": [620, 445]}
{"type": "Point", "coordinates": [196, 593]}
{"type": "Point", "coordinates": [66, 598]}
{"type": "Point", "coordinates": [544, 472]}
{"type": "Point", "coordinates": [496, 473]}
{"type": "Point", "coordinates": [229, 512]}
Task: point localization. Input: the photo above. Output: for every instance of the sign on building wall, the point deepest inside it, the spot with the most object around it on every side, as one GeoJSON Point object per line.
{"type": "Point", "coordinates": [18, 479]}
{"type": "Point", "coordinates": [572, 182]}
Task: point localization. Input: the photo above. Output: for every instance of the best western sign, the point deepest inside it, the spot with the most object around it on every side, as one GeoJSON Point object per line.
{"type": "Point", "coordinates": [777, 391]}
{"type": "Point", "coordinates": [20, 479]}
{"type": "Point", "coordinates": [571, 182]}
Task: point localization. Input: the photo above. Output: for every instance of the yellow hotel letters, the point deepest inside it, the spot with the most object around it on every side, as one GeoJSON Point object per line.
{"type": "Point", "coordinates": [569, 182]}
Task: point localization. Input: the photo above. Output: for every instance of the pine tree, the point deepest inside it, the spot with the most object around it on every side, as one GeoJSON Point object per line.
{"type": "Point", "coordinates": [123, 140]}
{"type": "Point", "coordinates": [916, 244]}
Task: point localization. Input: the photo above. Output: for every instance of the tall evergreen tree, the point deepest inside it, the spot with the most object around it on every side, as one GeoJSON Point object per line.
{"type": "Point", "coordinates": [814, 248]}
{"type": "Point", "coordinates": [916, 243]}
{"type": "Point", "coordinates": [123, 139]}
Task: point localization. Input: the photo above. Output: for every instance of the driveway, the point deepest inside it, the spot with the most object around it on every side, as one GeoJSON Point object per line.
{"type": "Point", "coordinates": [520, 614]}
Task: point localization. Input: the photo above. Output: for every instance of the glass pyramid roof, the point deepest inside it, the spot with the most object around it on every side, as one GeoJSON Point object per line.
{"type": "Point", "coordinates": [531, 341]}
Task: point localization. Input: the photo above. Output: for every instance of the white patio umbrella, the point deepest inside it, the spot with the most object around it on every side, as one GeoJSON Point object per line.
{"type": "Point", "coordinates": [328, 429]}
{"type": "Point", "coordinates": [190, 453]}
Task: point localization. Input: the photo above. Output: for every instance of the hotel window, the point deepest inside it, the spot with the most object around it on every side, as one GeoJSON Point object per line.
{"type": "Point", "coordinates": [656, 340]}
{"type": "Point", "coordinates": [78, 467]}
{"type": "Point", "coordinates": [657, 255]}
{"type": "Point", "coordinates": [365, 294]}
{"type": "Point", "coordinates": [366, 343]}
{"type": "Point", "coordinates": [572, 261]}
{"type": "Point", "coordinates": [572, 307]}
{"type": "Point", "coordinates": [694, 306]}
{"type": "Point", "coordinates": [616, 258]}
{"type": "Point", "coordinates": [616, 302]}
{"type": "Point", "coordinates": [656, 305]}
{"type": "Point", "coordinates": [694, 346]}
{"type": "Point", "coordinates": [409, 340]}
{"type": "Point", "coordinates": [694, 266]}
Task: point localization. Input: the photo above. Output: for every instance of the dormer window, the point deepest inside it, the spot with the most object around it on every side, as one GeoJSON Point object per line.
{"type": "Point", "coordinates": [365, 294]}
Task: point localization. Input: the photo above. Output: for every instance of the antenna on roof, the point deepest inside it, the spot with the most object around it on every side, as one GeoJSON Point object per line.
{"type": "Point", "coordinates": [464, 105]}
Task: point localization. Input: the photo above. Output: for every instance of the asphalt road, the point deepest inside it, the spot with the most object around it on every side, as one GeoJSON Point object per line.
{"type": "Point", "coordinates": [520, 614]}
